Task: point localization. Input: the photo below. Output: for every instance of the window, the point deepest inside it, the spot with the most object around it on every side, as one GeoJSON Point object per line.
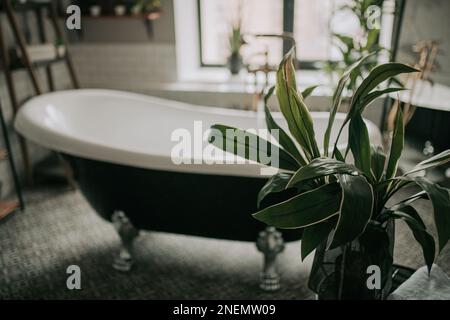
{"type": "Point", "coordinates": [315, 22]}
{"type": "Point", "coordinates": [311, 22]}
{"type": "Point", "coordinates": [257, 17]}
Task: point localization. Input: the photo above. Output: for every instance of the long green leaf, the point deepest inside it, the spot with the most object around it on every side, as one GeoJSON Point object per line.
{"type": "Point", "coordinates": [285, 81]}
{"type": "Point", "coordinates": [410, 200]}
{"type": "Point", "coordinates": [376, 94]}
{"type": "Point", "coordinates": [436, 161]}
{"type": "Point", "coordinates": [315, 235]}
{"type": "Point", "coordinates": [372, 39]}
{"type": "Point", "coordinates": [338, 155]}
{"type": "Point", "coordinates": [356, 209]}
{"type": "Point", "coordinates": [304, 209]}
{"type": "Point", "coordinates": [337, 100]}
{"type": "Point", "coordinates": [359, 143]}
{"type": "Point", "coordinates": [411, 212]}
{"type": "Point", "coordinates": [378, 162]}
{"type": "Point", "coordinates": [276, 183]}
{"type": "Point", "coordinates": [395, 185]}
{"type": "Point", "coordinates": [287, 162]}
{"type": "Point", "coordinates": [440, 197]}
{"type": "Point", "coordinates": [420, 233]}
{"type": "Point", "coordinates": [283, 138]}
{"type": "Point", "coordinates": [378, 75]}
{"type": "Point", "coordinates": [346, 40]}
{"type": "Point", "coordinates": [397, 144]}
{"type": "Point", "coordinates": [308, 91]}
{"type": "Point", "coordinates": [306, 124]}
{"type": "Point", "coordinates": [322, 167]}
{"type": "Point", "coordinates": [294, 109]}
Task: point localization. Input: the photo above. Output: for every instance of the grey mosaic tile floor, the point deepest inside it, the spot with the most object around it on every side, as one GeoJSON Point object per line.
{"type": "Point", "coordinates": [59, 229]}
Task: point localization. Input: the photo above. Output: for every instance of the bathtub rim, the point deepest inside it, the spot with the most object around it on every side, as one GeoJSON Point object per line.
{"type": "Point", "coordinates": [64, 143]}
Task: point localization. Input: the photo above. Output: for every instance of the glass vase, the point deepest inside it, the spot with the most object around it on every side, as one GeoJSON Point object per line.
{"type": "Point", "coordinates": [350, 272]}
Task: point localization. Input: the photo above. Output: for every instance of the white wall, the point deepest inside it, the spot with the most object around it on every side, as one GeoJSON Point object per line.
{"type": "Point", "coordinates": [124, 66]}
{"type": "Point", "coordinates": [119, 54]}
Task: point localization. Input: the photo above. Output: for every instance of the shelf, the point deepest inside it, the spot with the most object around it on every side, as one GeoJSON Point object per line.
{"type": "Point", "coordinates": [17, 65]}
{"type": "Point", "coordinates": [30, 5]}
{"type": "Point", "coordinates": [7, 207]}
{"type": "Point", "coordinates": [148, 16]}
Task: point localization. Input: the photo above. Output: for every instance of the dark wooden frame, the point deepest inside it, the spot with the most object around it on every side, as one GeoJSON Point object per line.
{"type": "Point", "coordinates": [38, 9]}
{"type": "Point", "coordinates": [19, 204]}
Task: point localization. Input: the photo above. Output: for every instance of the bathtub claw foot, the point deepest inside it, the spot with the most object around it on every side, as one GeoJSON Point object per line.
{"type": "Point", "coordinates": [127, 232]}
{"type": "Point", "coordinates": [270, 243]}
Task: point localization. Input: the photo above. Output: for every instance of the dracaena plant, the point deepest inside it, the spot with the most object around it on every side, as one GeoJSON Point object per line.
{"type": "Point", "coordinates": [334, 198]}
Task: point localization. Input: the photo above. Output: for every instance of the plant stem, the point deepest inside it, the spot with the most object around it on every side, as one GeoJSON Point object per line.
{"type": "Point", "coordinates": [341, 280]}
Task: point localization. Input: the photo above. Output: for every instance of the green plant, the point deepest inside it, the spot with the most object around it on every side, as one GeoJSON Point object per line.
{"type": "Point", "coordinates": [235, 39]}
{"type": "Point", "coordinates": [147, 5]}
{"type": "Point", "coordinates": [335, 200]}
{"type": "Point", "coordinates": [353, 48]}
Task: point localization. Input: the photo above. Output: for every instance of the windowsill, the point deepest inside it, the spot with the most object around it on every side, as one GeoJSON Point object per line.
{"type": "Point", "coordinates": [215, 87]}
{"type": "Point", "coordinates": [216, 79]}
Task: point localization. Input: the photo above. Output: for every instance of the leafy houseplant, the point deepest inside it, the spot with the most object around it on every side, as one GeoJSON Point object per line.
{"type": "Point", "coordinates": [342, 205]}
{"type": "Point", "coordinates": [354, 48]}
{"type": "Point", "coordinates": [152, 8]}
{"type": "Point", "coordinates": [235, 43]}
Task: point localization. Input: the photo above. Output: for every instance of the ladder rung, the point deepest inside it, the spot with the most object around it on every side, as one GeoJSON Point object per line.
{"type": "Point", "coordinates": [31, 5]}
{"type": "Point", "coordinates": [43, 63]}
{"type": "Point", "coordinates": [3, 154]}
{"type": "Point", "coordinates": [7, 207]}
{"type": "Point", "coordinates": [51, 9]}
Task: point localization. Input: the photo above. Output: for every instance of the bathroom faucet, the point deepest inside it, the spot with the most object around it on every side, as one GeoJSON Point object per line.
{"type": "Point", "coordinates": [266, 68]}
{"type": "Point", "coordinates": [288, 36]}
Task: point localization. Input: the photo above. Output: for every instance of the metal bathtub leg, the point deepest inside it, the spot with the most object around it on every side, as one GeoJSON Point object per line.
{"type": "Point", "coordinates": [270, 243]}
{"type": "Point", "coordinates": [127, 233]}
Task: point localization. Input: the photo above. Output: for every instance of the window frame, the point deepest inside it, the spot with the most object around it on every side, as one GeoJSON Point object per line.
{"type": "Point", "coordinates": [288, 27]}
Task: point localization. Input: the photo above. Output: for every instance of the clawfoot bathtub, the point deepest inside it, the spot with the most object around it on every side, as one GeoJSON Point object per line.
{"type": "Point", "coordinates": [119, 147]}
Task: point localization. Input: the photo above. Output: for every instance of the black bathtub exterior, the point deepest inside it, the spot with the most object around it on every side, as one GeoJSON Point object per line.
{"type": "Point", "coordinates": [212, 206]}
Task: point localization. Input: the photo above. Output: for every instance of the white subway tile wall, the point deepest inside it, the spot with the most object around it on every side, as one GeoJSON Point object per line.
{"type": "Point", "coordinates": [123, 66]}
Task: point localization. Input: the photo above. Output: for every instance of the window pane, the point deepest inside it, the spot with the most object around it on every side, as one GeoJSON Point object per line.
{"type": "Point", "coordinates": [258, 17]}
{"type": "Point", "coordinates": [313, 27]}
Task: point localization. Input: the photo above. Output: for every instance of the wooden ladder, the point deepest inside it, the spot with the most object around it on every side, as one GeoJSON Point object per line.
{"type": "Point", "coordinates": [7, 207]}
{"type": "Point", "coordinates": [38, 7]}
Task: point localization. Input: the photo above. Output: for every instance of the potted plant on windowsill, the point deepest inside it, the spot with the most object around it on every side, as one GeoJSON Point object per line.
{"type": "Point", "coordinates": [235, 42]}
{"type": "Point", "coordinates": [150, 8]}
{"type": "Point", "coordinates": [120, 9]}
{"type": "Point", "coordinates": [341, 205]}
